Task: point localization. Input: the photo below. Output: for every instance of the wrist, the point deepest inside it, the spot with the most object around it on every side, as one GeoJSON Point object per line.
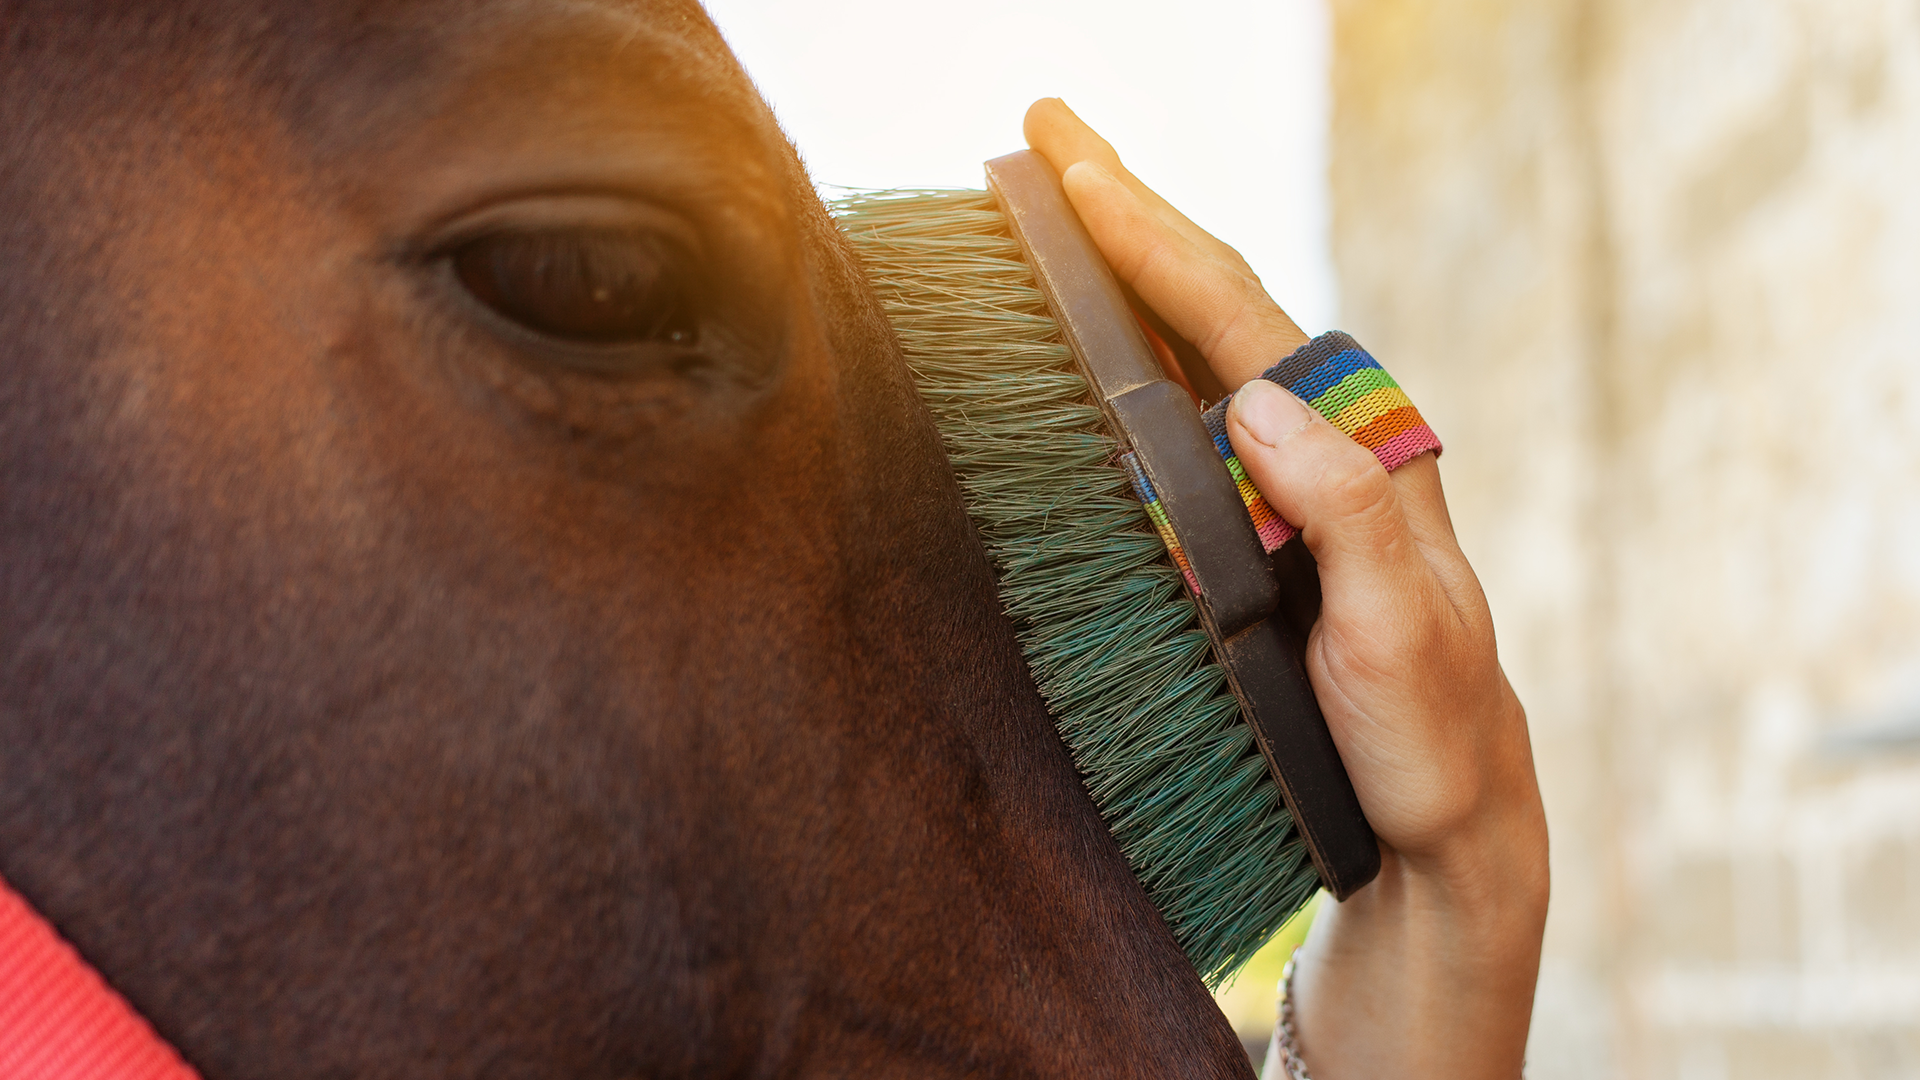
{"type": "Point", "coordinates": [1449, 967]}
{"type": "Point", "coordinates": [1487, 913]}
{"type": "Point", "coordinates": [1444, 945]}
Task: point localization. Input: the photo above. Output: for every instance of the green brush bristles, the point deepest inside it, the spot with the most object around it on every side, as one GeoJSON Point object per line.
{"type": "Point", "coordinates": [1113, 641]}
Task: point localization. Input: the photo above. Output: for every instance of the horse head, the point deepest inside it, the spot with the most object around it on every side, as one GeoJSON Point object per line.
{"type": "Point", "coordinates": [480, 594]}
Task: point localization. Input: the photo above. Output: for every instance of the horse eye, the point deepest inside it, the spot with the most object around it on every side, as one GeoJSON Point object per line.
{"type": "Point", "coordinates": [598, 287]}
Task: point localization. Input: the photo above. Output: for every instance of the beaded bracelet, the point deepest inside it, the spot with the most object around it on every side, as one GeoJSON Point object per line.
{"type": "Point", "coordinates": [1283, 1052]}
{"type": "Point", "coordinates": [1286, 1040]}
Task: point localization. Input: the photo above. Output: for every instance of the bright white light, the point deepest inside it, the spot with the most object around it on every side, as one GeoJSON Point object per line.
{"type": "Point", "coordinates": [1219, 105]}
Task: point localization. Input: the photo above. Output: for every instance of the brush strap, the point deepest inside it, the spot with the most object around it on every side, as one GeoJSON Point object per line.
{"type": "Point", "coordinates": [1338, 378]}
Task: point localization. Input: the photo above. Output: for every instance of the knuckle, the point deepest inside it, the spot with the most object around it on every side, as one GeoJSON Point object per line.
{"type": "Point", "coordinates": [1256, 321]}
{"type": "Point", "coordinates": [1251, 289]}
{"type": "Point", "coordinates": [1354, 485]}
{"type": "Point", "coordinates": [1245, 269]}
{"type": "Point", "coordinates": [1245, 329]}
{"type": "Point", "coordinates": [1419, 637]}
{"type": "Point", "coordinates": [1456, 804]}
{"type": "Point", "coordinates": [1428, 646]}
{"type": "Point", "coordinates": [1152, 258]}
{"type": "Point", "coordinates": [1223, 335]}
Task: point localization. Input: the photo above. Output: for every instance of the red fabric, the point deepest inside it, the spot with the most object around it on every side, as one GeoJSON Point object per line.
{"type": "Point", "coordinates": [59, 1020]}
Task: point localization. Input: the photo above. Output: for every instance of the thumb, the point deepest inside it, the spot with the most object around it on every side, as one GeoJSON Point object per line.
{"type": "Point", "coordinates": [1337, 493]}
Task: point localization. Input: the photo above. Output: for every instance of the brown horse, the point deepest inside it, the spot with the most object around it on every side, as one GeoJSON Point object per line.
{"type": "Point", "coordinates": [480, 596]}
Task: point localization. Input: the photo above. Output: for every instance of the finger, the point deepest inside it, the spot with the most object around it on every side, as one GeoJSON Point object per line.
{"type": "Point", "coordinates": [1417, 485]}
{"type": "Point", "coordinates": [1065, 140]}
{"type": "Point", "coordinates": [1335, 490]}
{"type": "Point", "coordinates": [1222, 310]}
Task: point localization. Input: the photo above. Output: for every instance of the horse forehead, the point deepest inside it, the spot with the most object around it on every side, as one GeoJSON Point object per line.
{"type": "Point", "coordinates": [343, 73]}
{"type": "Point", "coordinates": [376, 72]}
{"type": "Point", "coordinates": [218, 111]}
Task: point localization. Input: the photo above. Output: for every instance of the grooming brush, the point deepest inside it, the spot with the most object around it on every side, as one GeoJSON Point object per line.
{"type": "Point", "coordinates": [1168, 643]}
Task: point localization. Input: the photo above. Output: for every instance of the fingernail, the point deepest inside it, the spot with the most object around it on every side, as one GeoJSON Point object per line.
{"type": "Point", "coordinates": [1085, 174]}
{"type": "Point", "coordinates": [1093, 170]}
{"type": "Point", "coordinates": [1270, 413]}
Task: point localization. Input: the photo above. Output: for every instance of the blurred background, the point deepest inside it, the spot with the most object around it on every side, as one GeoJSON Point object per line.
{"type": "Point", "coordinates": [1652, 269]}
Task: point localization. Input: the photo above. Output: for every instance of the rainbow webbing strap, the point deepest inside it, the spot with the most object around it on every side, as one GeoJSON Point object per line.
{"type": "Point", "coordinates": [1158, 515]}
{"type": "Point", "coordinates": [1335, 375]}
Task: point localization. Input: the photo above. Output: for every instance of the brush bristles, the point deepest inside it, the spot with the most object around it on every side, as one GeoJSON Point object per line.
{"type": "Point", "coordinates": [1112, 640]}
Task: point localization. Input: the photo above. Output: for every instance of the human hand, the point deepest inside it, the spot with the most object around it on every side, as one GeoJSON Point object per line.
{"type": "Point", "coordinates": [1443, 948]}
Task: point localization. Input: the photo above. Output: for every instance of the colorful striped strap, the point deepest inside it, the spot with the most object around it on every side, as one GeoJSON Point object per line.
{"type": "Point", "coordinates": [1335, 375]}
{"type": "Point", "coordinates": [1158, 515]}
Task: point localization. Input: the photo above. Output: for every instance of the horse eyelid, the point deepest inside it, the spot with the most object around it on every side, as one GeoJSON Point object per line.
{"type": "Point", "coordinates": [585, 286]}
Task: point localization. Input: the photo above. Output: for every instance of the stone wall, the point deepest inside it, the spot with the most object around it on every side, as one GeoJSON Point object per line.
{"type": "Point", "coordinates": [1652, 269]}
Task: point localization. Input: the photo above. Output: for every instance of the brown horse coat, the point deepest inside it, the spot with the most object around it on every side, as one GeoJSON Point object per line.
{"type": "Point", "coordinates": [385, 691]}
